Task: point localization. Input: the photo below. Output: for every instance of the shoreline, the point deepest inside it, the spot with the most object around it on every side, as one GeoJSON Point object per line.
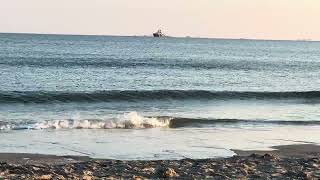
{"type": "Point", "coordinates": [288, 161]}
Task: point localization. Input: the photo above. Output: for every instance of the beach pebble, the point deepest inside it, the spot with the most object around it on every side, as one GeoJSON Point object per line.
{"type": "Point", "coordinates": [149, 170]}
{"type": "Point", "coordinates": [89, 173]}
{"type": "Point", "coordinates": [170, 173]}
{"type": "Point", "coordinates": [244, 172]}
{"type": "Point", "coordinates": [314, 165]}
{"type": "Point", "coordinates": [87, 177]}
{"type": "Point", "coordinates": [137, 177]}
{"type": "Point", "coordinates": [316, 174]}
{"type": "Point", "coordinates": [60, 177]}
{"type": "Point", "coordinates": [208, 177]}
{"type": "Point", "coordinates": [45, 177]}
{"type": "Point", "coordinates": [274, 175]}
{"type": "Point", "coordinates": [35, 168]}
{"type": "Point", "coordinates": [220, 176]}
{"type": "Point", "coordinates": [269, 157]}
{"type": "Point", "coordinates": [209, 170]}
{"type": "Point", "coordinates": [166, 172]}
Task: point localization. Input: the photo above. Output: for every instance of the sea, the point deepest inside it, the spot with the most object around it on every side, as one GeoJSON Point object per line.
{"type": "Point", "coordinates": [143, 98]}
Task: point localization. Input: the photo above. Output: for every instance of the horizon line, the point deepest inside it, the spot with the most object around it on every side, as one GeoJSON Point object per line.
{"type": "Point", "coordinates": [191, 37]}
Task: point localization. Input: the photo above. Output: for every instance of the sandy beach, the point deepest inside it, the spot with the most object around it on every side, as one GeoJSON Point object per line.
{"type": "Point", "coordinates": [291, 161]}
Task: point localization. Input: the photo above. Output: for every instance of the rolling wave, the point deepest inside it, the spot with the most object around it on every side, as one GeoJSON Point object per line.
{"type": "Point", "coordinates": [131, 120]}
{"type": "Point", "coordinates": [203, 122]}
{"type": "Point", "coordinates": [134, 121]}
{"type": "Point", "coordinates": [135, 95]}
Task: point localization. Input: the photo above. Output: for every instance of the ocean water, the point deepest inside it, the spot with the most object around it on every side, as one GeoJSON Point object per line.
{"type": "Point", "coordinates": [155, 98]}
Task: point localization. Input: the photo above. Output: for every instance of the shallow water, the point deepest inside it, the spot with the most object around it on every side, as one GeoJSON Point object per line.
{"type": "Point", "coordinates": [155, 143]}
{"type": "Point", "coordinates": [149, 98]}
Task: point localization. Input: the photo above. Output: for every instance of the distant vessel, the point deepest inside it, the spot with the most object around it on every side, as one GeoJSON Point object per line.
{"type": "Point", "coordinates": [158, 34]}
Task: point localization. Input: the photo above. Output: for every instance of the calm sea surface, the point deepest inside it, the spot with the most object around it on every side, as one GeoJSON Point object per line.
{"type": "Point", "coordinates": [155, 98]}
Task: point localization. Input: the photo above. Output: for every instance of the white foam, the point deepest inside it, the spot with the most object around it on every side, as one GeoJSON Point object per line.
{"type": "Point", "coordinates": [15, 126]}
{"type": "Point", "coordinates": [6, 126]}
{"type": "Point", "coordinates": [134, 120]}
{"type": "Point", "coordinates": [131, 120]}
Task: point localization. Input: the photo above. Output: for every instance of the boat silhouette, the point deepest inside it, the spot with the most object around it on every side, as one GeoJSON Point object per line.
{"type": "Point", "coordinates": [158, 34]}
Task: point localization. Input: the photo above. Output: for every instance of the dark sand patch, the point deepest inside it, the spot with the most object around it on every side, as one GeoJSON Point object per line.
{"type": "Point", "coordinates": [288, 151]}
{"type": "Point", "coordinates": [23, 159]}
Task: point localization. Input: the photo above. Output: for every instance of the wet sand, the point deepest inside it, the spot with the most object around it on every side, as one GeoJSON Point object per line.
{"type": "Point", "coordinates": [287, 151]}
{"type": "Point", "coordinates": [291, 161]}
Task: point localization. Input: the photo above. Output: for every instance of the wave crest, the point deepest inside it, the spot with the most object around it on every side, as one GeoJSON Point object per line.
{"type": "Point", "coordinates": [133, 120]}
{"type": "Point", "coordinates": [130, 121]}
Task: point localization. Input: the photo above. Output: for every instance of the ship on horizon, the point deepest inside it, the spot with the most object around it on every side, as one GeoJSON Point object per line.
{"type": "Point", "coordinates": [158, 34]}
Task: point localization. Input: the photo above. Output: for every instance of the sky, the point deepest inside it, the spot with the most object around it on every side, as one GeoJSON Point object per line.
{"type": "Point", "coordinates": [256, 19]}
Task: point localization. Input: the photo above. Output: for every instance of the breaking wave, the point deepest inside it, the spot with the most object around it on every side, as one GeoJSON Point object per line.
{"type": "Point", "coordinates": [134, 121]}
{"type": "Point", "coordinates": [136, 95]}
{"type": "Point", "coordinates": [131, 120]}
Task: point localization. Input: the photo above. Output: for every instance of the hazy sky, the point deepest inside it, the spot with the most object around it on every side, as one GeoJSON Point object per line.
{"type": "Point", "coordinates": [264, 19]}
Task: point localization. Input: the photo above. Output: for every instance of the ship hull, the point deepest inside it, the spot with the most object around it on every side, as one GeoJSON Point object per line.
{"type": "Point", "coordinates": [157, 35]}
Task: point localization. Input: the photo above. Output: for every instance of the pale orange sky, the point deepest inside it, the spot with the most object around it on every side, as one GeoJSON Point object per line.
{"type": "Point", "coordinates": [262, 19]}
